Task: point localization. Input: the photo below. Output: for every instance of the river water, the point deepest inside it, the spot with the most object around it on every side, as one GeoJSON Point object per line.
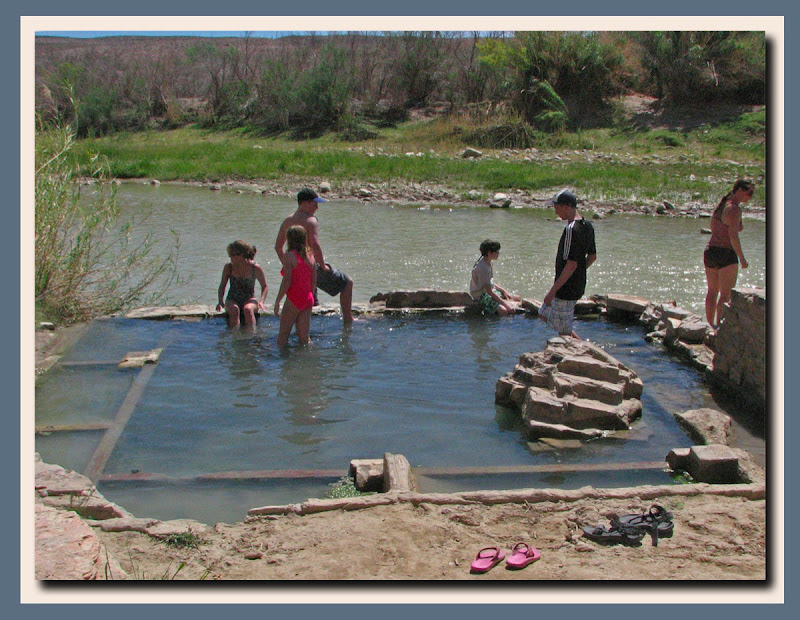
{"type": "Point", "coordinates": [385, 247]}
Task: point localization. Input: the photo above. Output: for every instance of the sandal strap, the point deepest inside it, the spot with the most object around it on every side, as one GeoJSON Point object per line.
{"type": "Point", "coordinates": [659, 513]}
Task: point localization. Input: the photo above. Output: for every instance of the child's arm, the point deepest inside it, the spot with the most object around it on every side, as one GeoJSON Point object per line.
{"type": "Point", "coordinates": [489, 291]}
{"type": "Point", "coordinates": [565, 275]}
{"type": "Point", "coordinates": [313, 264]}
{"type": "Point", "coordinates": [289, 262]}
{"type": "Point", "coordinates": [312, 241]}
{"type": "Point", "coordinates": [280, 240]}
{"type": "Point", "coordinates": [226, 272]}
{"type": "Point", "coordinates": [262, 280]}
{"type": "Point", "coordinates": [507, 294]}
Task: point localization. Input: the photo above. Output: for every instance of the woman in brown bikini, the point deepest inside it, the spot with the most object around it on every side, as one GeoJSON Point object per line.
{"type": "Point", "coordinates": [723, 253]}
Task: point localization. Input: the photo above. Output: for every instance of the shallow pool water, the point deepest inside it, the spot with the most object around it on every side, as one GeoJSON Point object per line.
{"type": "Point", "coordinates": [226, 402]}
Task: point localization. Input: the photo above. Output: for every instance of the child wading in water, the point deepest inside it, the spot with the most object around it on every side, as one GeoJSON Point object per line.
{"type": "Point", "coordinates": [482, 288]}
{"type": "Point", "coordinates": [242, 272]}
{"type": "Point", "coordinates": [298, 284]}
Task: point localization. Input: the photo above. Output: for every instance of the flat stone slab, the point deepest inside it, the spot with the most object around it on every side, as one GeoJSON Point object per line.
{"type": "Point", "coordinates": [58, 487]}
{"type": "Point", "coordinates": [137, 359]}
{"type": "Point", "coordinates": [423, 299]}
{"type": "Point", "coordinates": [691, 330]}
{"type": "Point", "coordinates": [55, 480]}
{"type": "Point", "coordinates": [547, 432]}
{"type": "Point", "coordinates": [629, 304]}
{"type": "Point", "coordinates": [586, 307]}
{"type": "Point", "coordinates": [160, 313]}
{"type": "Point", "coordinates": [126, 524]}
{"type": "Point", "coordinates": [706, 426]}
{"type": "Point", "coordinates": [562, 444]}
{"type": "Point", "coordinates": [68, 549]}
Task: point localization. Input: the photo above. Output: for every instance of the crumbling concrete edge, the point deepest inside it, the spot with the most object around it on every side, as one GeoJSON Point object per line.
{"type": "Point", "coordinates": [751, 492]}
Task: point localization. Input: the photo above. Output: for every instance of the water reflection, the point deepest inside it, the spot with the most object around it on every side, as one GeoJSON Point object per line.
{"type": "Point", "coordinates": [481, 330]}
{"type": "Point", "coordinates": [305, 393]}
{"type": "Point", "coordinates": [241, 352]}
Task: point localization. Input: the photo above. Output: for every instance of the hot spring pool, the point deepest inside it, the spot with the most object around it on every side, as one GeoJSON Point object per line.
{"type": "Point", "coordinates": [222, 403]}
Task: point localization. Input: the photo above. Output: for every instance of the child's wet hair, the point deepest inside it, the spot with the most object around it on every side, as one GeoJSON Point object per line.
{"type": "Point", "coordinates": [489, 246]}
{"type": "Point", "coordinates": [242, 248]}
{"type": "Point", "coordinates": [296, 239]}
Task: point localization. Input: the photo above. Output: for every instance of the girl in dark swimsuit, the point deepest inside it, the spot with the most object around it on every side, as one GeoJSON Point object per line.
{"type": "Point", "coordinates": [242, 273]}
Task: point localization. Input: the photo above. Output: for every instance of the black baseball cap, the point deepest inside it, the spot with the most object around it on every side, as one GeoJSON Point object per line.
{"type": "Point", "coordinates": [565, 197]}
{"type": "Point", "coordinates": [306, 194]}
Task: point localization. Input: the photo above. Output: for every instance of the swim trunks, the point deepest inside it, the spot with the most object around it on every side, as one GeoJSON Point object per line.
{"type": "Point", "coordinates": [488, 304]}
{"type": "Point", "coordinates": [716, 257]}
{"type": "Point", "coordinates": [332, 282]}
{"type": "Point", "coordinates": [559, 315]}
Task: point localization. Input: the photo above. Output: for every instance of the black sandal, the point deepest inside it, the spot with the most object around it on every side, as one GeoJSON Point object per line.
{"type": "Point", "coordinates": [617, 534]}
{"type": "Point", "coordinates": [657, 522]}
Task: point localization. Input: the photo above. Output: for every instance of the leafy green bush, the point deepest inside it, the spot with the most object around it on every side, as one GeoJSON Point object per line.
{"type": "Point", "coordinates": [554, 78]}
{"type": "Point", "coordinates": [666, 137]}
{"type": "Point", "coordinates": [695, 67]}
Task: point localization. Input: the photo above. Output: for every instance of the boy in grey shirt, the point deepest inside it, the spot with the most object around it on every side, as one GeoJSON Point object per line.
{"type": "Point", "coordinates": [482, 288]}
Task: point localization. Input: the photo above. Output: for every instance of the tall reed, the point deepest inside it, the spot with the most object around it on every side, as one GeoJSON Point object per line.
{"type": "Point", "coordinates": [87, 261]}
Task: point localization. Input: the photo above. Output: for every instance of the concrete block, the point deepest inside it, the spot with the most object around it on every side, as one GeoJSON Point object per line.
{"type": "Point", "coordinates": [678, 459]}
{"type": "Point", "coordinates": [714, 463]}
{"type": "Point", "coordinates": [368, 474]}
{"type": "Point", "coordinates": [397, 474]}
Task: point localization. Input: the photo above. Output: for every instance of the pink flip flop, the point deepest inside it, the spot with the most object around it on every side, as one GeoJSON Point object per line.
{"type": "Point", "coordinates": [487, 559]}
{"type": "Point", "coordinates": [522, 555]}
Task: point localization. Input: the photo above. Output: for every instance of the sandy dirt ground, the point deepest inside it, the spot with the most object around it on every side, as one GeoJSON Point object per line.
{"type": "Point", "coordinates": [715, 538]}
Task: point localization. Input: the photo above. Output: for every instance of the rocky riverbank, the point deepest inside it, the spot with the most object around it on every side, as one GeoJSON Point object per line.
{"type": "Point", "coordinates": [400, 192]}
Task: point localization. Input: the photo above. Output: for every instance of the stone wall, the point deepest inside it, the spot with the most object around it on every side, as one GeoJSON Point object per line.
{"type": "Point", "coordinates": [740, 357]}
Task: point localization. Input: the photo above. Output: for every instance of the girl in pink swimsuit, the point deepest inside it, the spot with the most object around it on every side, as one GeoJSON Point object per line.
{"type": "Point", "coordinates": [298, 284]}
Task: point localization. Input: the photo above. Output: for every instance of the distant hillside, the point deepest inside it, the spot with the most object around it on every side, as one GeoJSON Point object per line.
{"type": "Point", "coordinates": [357, 82]}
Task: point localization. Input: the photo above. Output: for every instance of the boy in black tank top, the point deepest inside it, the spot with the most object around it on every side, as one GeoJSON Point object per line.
{"type": "Point", "coordinates": [576, 253]}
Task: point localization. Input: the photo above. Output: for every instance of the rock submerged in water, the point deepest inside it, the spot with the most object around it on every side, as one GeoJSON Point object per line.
{"type": "Point", "coordinates": [571, 390]}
